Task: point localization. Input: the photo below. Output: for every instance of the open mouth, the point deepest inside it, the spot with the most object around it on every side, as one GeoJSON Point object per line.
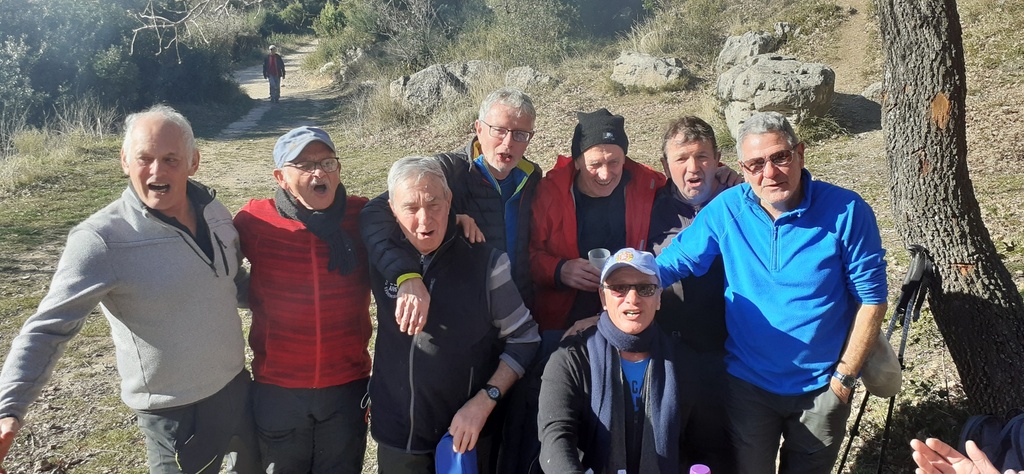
{"type": "Point", "coordinates": [320, 188]}
{"type": "Point", "coordinates": [159, 188]}
{"type": "Point", "coordinates": [424, 235]}
{"type": "Point", "coordinates": [631, 314]}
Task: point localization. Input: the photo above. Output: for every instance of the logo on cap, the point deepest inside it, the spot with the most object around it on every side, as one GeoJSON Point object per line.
{"type": "Point", "coordinates": [609, 136]}
{"type": "Point", "coordinates": [624, 257]}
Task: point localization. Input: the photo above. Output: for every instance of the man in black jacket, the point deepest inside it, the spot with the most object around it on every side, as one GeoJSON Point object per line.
{"type": "Point", "coordinates": [693, 309]}
{"type": "Point", "coordinates": [477, 341]}
{"type": "Point", "coordinates": [492, 188]}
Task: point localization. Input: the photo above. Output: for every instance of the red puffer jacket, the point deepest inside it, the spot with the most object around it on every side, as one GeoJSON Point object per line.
{"type": "Point", "coordinates": [553, 232]}
{"type": "Point", "coordinates": [310, 327]}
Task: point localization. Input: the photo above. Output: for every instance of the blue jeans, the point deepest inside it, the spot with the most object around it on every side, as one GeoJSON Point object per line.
{"type": "Point", "coordinates": [191, 434]}
{"type": "Point", "coordinates": [303, 430]}
{"type": "Point", "coordinates": [812, 426]}
{"type": "Point", "coordinates": [275, 87]}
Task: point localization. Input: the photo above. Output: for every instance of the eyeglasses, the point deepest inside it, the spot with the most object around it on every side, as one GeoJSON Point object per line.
{"type": "Point", "coordinates": [521, 136]}
{"type": "Point", "coordinates": [329, 165]}
{"type": "Point", "coordinates": [756, 165]}
{"type": "Point", "coordinates": [645, 290]}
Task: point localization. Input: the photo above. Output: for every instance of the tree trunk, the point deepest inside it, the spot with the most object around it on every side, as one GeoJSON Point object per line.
{"type": "Point", "coordinates": [974, 300]}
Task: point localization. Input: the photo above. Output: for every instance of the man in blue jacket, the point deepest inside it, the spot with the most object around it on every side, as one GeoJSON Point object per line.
{"type": "Point", "coordinates": [805, 295]}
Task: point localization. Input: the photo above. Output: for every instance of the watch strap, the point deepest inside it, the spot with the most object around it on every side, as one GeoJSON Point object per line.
{"type": "Point", "coordinates": [848, 381]}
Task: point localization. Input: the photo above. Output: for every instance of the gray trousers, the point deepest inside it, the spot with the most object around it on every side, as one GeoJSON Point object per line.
{"type": "Point", "coordinates": [320, 430]}
{"type": "Point", "coordinates": [275, 87]}
{"type": "Point", "coordinates": [812, 426]}
{"type": "Point", "coordinates": [179, 439]}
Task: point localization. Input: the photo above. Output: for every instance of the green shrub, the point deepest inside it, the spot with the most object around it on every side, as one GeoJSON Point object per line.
{"type": "Point", "coordinates": [331, 21]}
{"type": "Point", "coordinates": [295, 18]}
{"type": "Point", "coordinates": [116, 77]}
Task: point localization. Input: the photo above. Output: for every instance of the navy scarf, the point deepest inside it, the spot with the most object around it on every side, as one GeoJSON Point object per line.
{"type": "Point", "coordinates": [325, 224]}
{"type": "Point", "coordinates": [662, 426]}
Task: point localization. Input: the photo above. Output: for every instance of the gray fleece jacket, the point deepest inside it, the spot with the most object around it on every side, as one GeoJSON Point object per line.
{"type": "Point", "coordinates": [172, 310]}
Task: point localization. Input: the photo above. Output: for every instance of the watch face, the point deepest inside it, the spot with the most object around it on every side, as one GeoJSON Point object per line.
{"type": "Point", "coordinates": [494, 393]}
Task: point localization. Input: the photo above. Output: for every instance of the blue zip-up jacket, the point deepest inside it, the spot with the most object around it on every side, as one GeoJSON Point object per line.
{"type": "Point", "coordinates": [793, 285]}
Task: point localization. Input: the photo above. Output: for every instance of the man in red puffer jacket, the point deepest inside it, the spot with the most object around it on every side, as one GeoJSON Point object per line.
{"type": "Point", "coordinates": [310, 298]}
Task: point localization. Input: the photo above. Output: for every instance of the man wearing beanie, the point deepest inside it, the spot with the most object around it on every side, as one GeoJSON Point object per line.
{"type": "Point", "coordinates": [596, 198]}
{"type": "Point", "coordinates": [310, 299]}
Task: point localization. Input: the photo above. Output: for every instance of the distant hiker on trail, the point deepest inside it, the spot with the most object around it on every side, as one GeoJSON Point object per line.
{"type": "Point", "coordinates": [164, 266]}
{"type": "Point", "coordinates": [310, 300]}
{"type": "Point", "coordinates": [273, 70]}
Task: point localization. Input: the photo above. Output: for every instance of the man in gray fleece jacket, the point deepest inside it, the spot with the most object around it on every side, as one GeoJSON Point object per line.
{"type": "Point", "coordinates": [163, 264]}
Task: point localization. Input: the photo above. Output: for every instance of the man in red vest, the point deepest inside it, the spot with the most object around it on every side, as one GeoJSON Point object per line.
{"type": "Point", "coordinates": [273, 70]}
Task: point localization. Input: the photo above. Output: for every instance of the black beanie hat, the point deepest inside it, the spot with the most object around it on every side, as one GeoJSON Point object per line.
{"type": "Point", "coordinates": [598, 128]}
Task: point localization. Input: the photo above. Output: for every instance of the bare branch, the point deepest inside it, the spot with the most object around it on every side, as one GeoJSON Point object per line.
{"type": "Point", "coordinates": [172, 27]}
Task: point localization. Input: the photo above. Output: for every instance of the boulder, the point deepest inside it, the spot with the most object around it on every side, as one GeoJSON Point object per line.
{"type": "Point", "coordinates": [874, 92]}
{"type": "Point", "coordinates": [775, 83]}
{"type": "Point", "coordinates": [348, 60]}
{"type": "Point", "coordinates": [524, 77]}
{"type": "Point", "coordinates": [429, 88]}
{"type": "Point", "coordinates": [752, 43]}
{"type": "Point", "coordinates": [633, 69]}
{"type": "Point", "coordinates": [328, 66]}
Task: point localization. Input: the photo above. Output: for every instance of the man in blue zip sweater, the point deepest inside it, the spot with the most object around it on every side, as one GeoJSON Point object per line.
{"type": "Point", "coordinates": [805, 294]}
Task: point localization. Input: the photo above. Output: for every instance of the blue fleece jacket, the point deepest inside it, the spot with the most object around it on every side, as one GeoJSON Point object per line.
{"type": "Point", "coordinates": [793, 285]}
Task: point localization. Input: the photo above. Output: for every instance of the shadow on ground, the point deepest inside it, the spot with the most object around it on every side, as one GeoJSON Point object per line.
{"type": "Point", "coordinates": [856, 113]}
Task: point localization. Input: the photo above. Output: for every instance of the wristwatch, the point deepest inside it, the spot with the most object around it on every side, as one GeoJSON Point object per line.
{"type": "Point", "coordinates": [848, 381]}
{"type": "Point", "coordinates": [494, 393]}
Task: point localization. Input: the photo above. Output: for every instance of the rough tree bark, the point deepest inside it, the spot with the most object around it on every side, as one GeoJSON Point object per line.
{"type": "Point", "coordinates": [974, 300]}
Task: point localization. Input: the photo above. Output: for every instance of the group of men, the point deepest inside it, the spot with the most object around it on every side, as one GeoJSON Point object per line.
{"type": "Point", "coordinates": [773, 292]}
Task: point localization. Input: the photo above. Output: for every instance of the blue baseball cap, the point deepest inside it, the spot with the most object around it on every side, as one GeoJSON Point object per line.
{"type": "Point", "coordinates": [292, 143]}
{"type": "Point", "coordinates": [628, 257]}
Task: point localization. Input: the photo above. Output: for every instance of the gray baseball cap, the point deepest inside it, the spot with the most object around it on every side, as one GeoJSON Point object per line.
{"type": "Point", "coordinates": [292, 143]}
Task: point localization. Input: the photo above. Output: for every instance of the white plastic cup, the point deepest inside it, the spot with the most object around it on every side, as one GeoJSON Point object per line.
{"type": "Point", "coordinates": [597, 257]}
{"type": "Point", "coordinates": [700, 469]}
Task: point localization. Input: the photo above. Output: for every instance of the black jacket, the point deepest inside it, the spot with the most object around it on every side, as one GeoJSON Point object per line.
{"type": "Point", "coordinates": [420, 382]}
{"type": "Point", "coordinates": [692, 309]}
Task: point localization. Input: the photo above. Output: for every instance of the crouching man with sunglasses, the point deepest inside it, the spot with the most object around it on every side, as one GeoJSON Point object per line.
{"type": "Point", "coordinates": [617, 397]}
{"type": "Point", "coordinates": [805, 294]}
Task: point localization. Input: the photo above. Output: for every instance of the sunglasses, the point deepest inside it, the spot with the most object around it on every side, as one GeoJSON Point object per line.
{"type": "Point", "coordinates": [645, 290]}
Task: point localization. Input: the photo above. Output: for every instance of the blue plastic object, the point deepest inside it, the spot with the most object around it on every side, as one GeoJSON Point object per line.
{"type": "Point", "coordinates": [447, 461]}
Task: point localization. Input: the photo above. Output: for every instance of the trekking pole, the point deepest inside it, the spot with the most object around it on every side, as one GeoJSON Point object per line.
{"type": "Point", "coordinates": [921, 270]}
{"type": "Point", "coordinates": [912, 290]}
